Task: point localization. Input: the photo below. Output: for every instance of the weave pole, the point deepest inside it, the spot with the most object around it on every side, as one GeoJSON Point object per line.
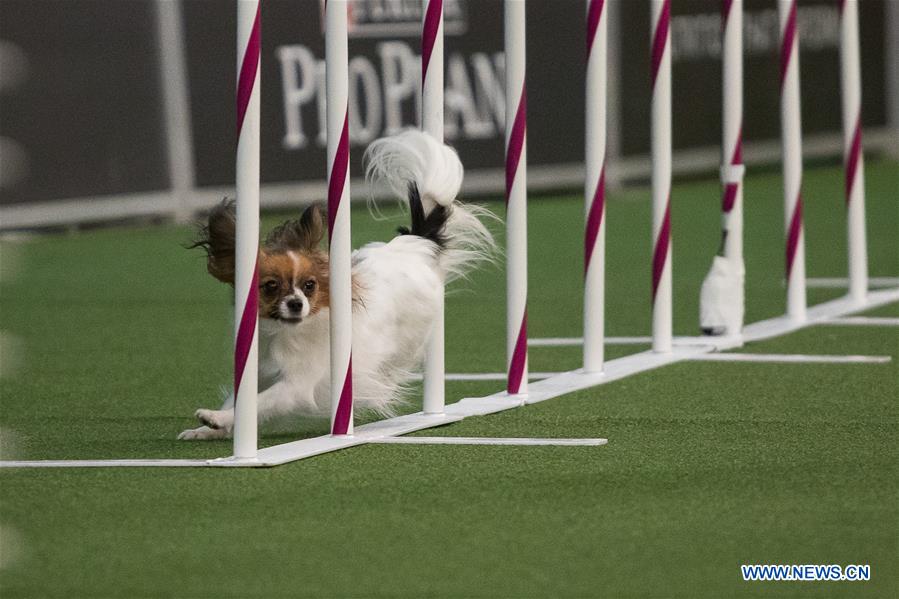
{"type": "Point", "coordinates": [661, 176]}
{"type": "Point", "coordinates": [732, 169]}
{"type": "Point", "coordinates": [246, 275]}
{"type": "Point", "coordinates": [341, 301]}
{"type": "Point", "coordinates": [722, 298]}
{"type": "Point", "coordinates": [850, 71]}
{"type": "Point", "coordinates": [432, 123]}
{"type": "Point", "coordinates": [516, 199]}
{"type": "Point", "coordinates": [791, 133]}
{"type": "Point", "coordinates": [595, 187]}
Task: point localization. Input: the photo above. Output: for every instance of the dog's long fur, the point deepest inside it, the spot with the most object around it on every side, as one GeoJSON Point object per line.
{"type": "Point", "coordinates": [396, 288]}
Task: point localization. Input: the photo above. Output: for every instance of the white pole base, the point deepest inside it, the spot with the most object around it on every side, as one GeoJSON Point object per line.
{"type": "Point", "coordinates": [488, 441]}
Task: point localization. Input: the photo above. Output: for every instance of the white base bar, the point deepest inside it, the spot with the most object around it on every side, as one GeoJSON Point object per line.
{"type": "Point", "coordinates": [865, 321]}
{"type": "Point", "coordinates": [561, 384]}
{"type": "Point", "coordinates": [102, 463]}
{"type": "Point", "coordinates": [843, 282]}
{"type": "Point", "coordinates": [288, 452]}
{"type": "Point", "coordinates": [716, 340]}
{"type": "Point", "coordinates": [792, 358]}
{"type": "Point", "coordinates": [488, 376]}
{"type": "Point", "coordinates": [491, 404]}
{"type": "Point", "coordinates": [487, 441]}
{"type": "Point", "coordinates": [577, 380]}
{"type": "Point", "coordinates": [574, 341]}
{"type": "Point", "coordinates": [820, 314]}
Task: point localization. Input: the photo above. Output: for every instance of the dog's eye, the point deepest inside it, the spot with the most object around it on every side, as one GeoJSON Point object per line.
{"type": "Point", "coordinates": [309, 285]}
{"type": "Point", "coordinates": [270, 286]}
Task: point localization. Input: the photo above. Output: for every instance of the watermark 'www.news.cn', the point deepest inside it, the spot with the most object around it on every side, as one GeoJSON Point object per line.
{"type": "Point", "coordinates": [805, 572]}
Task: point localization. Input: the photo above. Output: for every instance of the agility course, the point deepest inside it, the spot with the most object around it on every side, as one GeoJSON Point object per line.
{"type": "Point", "coordinates": [785, 450]}
{"type": "Point", "coordinates": [594, 371]}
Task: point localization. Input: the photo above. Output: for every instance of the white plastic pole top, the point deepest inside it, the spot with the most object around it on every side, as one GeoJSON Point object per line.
{"type": "Point", "coordinates": [594, 186]}
{"type": "Point", "coordinates": [341, 307]}
{"type": "Point", "coordinates": [246, 301]}
{"type": "Point", "coordinates": [662, 321]}
{"type": "Point", "coordinates": [791, 133]}
{"type": "Point", "coordinates": [516, 199]}
{"type": "Point", "coordinates": [850, 70]}
{"type": "Point", "coordinates": [432, 123]}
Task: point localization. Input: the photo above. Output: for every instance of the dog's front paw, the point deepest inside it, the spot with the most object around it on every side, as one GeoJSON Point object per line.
{"type": "Point", "coordinates": [217, 419]}
{"type": "Point", "coordinates": [202, 433]}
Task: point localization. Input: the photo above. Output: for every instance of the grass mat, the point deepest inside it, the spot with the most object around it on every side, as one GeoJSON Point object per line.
{"type": "Point", "coordinates": [111, 338]}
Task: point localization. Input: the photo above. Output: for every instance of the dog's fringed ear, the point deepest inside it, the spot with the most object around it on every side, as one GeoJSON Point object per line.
{"type": "Point", "coordinates": [313, 225]}
{"type": "Point", "coordinates": [217, 239]}
{"type": "Point", "coordinates": [306, 233]}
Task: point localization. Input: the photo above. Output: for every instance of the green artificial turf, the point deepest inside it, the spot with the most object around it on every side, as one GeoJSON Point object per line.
{"type": "Point", "coordinates": [888, 310]}
{"type": "Point", "coordinates": [111, 338]}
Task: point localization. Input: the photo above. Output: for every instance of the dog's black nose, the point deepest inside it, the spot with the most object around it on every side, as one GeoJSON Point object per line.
{"type": "Point", "coordinates": [295, 305]}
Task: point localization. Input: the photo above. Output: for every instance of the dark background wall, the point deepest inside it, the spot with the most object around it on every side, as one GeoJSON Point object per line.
{"type": "Point", "coordinates": [81, 111]}
{"type": "Point", "coordinates": [80, 98]}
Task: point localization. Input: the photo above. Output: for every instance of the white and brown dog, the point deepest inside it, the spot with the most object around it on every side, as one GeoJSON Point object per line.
{"type": "Point", "coordinates": [396, 288]}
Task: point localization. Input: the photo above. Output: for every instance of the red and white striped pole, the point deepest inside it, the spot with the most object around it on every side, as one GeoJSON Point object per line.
{"type": "Point", "coordinates": [850, 70]}
{"type": "Point", "coordinates": [246, 277]}
{"type": "Point", "coordinates": [516, 199]}
{"type": "Point", "coordinates": [722, 297]}
{"type": "Point", "coordinates": [594, 187]}
{"type": "Point", "coordinates": [341, 306]}
{"type": "Point", "coordinates": [432, 123]}
{"type": "Point", "coordinates": [732, 169]}
{"type": "Point", "coordinates": [791, 133]}
{"type": "Point", "coordinates": [661, 176]}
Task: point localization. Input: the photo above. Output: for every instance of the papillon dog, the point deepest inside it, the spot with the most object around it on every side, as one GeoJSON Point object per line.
{"type": "Point", "coordinates": [396, 288]}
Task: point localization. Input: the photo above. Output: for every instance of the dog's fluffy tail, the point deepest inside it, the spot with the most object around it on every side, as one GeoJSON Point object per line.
{"type": "Point", "coordinates": [429, 174]}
